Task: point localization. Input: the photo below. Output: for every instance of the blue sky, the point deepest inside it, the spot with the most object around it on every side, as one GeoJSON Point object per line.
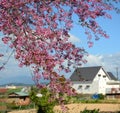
{"type": "Point", "coordinates": [111, 45]}
{"type": "Point", "coordinates": [105, 52]}
{"type": "Point", "coordinates": [102, 46]}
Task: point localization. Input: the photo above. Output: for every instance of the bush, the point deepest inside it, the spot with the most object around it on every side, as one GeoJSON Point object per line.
{"type": "Point", "coordinates": [44, 104]}
{"type": "Point", "coordinates": [101, 96]}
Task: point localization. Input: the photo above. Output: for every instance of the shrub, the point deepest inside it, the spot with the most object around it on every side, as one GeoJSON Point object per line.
{"type": "Point", "coordinates": [44, 104]}
{"type": "Point", "coordinates": [101, 96]}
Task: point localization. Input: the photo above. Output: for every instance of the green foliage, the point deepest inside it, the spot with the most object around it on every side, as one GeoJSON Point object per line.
{"type": "Point", "coordinates": [101, 96]}
{"type": "Point", "coordinates": [83, 99]}
{"type": "Point", "coordinates": [44, 104]}
{"type": "Point", "coordinates": [80, 98]}
{"type": "Point", "coordinates": [12, 106]}
{"type": "Point", "coordinates": [90, 111]}
{"type": "Point", "coordinates": [68, 99]}
{"type": "Point", "coordinates": [3, 111]}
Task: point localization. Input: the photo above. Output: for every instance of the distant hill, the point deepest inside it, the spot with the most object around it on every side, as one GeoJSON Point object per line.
{"type": "Point", "coordinates": [17, 84]}
{"type": "Point", "coordinates": [20, 84]}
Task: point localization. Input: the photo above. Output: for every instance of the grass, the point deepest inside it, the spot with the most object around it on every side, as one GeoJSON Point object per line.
{"type": "Point", "coordinates": [88, 99]}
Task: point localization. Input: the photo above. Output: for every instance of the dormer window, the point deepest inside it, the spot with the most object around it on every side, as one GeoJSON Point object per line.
{"type": "Point", "coordinates": [104, 76]}
{"type": "Point", "coordinates": [99, 75]}
{"type": "Point", "coordinates": [87, 87]}
{"type": "Point", "coordinates": [80, 87]}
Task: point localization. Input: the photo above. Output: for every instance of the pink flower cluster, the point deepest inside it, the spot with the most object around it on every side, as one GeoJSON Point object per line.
{"type": "Point", "coordinates": [40, 34]}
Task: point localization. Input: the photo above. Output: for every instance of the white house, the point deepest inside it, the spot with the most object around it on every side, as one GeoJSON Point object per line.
{"type": "Point", "coordinates": [91, 80]}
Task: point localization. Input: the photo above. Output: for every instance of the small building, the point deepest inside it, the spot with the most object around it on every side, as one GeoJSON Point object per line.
{"type": "Point", "coordinates": [94, 80]}
{"type": "Point", "coordinates": [18, 95]}
{"type": "Point", "coordinates": [20, 98]}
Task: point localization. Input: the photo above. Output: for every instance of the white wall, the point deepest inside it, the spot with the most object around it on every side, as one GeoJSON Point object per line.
{"type": "Point", "coordinates": [102, 79]}
{"type": "Point", "coordinates": [85, 87]}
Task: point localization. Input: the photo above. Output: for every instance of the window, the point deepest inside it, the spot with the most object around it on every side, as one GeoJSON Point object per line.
{"type": "Point", "coordinates": [104, 76]}
{"type": "Point", "coordinates": [80, 87]}
{"type": "Point", "coordinates": [99, 75]}
{"type": "Point", "coordinates": [87, 87]}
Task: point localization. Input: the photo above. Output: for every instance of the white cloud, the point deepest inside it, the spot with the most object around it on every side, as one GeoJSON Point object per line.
{"type": "Point", "coordinates": [74, 39]}
{"type": "Point", "coordinates": [109, 62]}
{"type": "Point", "coordinates": [12, 72]}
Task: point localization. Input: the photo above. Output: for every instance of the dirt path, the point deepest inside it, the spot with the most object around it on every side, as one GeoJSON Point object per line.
{"type": "Point", "coordinates": [76, 108]}
{"type": "Point", "coordinates": [24, 111]}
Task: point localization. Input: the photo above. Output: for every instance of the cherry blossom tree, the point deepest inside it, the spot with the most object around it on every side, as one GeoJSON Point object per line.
{"type": "Point", "coordinates": [38, 33]}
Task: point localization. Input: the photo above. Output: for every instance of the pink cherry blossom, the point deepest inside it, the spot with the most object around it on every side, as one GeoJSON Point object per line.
{"type": "Point", "coordinates": [40, 33]}
{"type": "Point", "coordinates": [6, 40]}
{"type": "Point", "coordinates": [1, 55]}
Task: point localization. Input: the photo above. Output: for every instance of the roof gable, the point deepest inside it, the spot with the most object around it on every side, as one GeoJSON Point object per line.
{"type": "Point", "coordinates": [85, 73]}
{"type": "Point", "coordinates": [112, 77]}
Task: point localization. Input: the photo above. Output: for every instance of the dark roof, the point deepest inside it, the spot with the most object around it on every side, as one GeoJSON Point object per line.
{"type": "Point", "coordinates": [112, 77]}
{"type": "Point", "coordinates": [85, 73]}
